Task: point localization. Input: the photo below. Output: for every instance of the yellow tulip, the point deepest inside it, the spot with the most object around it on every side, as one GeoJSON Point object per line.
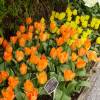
{"type": "Point", "coordinates": [96, 26]}
{"type": "Point", "coordinates": [84, 24]}
{"type": "Point", "coordinates": [74, 12]}
{"type": "Point", "coordinates": [80, 30]}
{"type": "Point", "coordinates": [82, 18]}
{"type": "Point", "coordinates": [42, 20]}
{"type": "Point", "coordinates": [52, 18]}
{"type": "Point", "coordinates": [98, 40]}
{"type": "Point", "coordinates": [69, 18]}
{"type": "Point", "coordinates": [68, 9]}
{"type": "Point", "coordinates": [56, 15]}
{"type": "Point", "coordinates": [61, 16]}
{"type": "Point", "coordinates": [69, 42]}
{"type": "Point", "coordinates": [87, 17]}
{"type": "Point", "coordinates": [77, 20]}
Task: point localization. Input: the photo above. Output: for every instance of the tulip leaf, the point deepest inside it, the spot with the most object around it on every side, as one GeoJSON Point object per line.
{"type": "Point", "coordinates": [58, 94]}
{"type": "Point", "coordinates": [81, 72]}
{"type": "Point", "coordinates": [72, 65]}
{"type": "Point", "coordinates": [84, 83]}
{"type": "Point", "coordinates": [61, 95]}
{"type": "Point", "coordinates": [2, 66]}
{"type": "Point", "coordinates": [20, 96]}
{"type": "Point", "coordinates": [60, 77]}
{"type": "Point", "coordinates": [71, 87]}
{"type": "Point", "coordinates": [65, 97]}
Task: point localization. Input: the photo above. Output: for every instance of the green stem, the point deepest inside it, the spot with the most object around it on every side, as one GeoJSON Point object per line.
{"type": "Point", "coordinates": [54, 94]}
{"type": "Point", "coordinates": [14, 61]}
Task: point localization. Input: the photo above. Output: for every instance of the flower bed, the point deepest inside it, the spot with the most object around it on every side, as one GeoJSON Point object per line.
{"type": "Point", "coordinates": [39, 52]}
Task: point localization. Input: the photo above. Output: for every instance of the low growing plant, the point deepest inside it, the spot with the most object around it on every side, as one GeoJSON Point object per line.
{"type": "Point", "coordinates": [39, 51]}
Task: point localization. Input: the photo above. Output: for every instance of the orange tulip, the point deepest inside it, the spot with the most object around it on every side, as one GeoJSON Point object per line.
{"type": "Point", "coordinates": [9, 48]}
{"type": "Point", "coordinates": [73, 46]}
{"type": "Point", "coordinates": [42, 64]}
{"type": "Point", "coordinates": [82, 52]}
{"type": "Point", "coordinates": [74, 56]}
{"type": "Point", "coordinates": [60, 41]}
{"type": "Point", "coordinates": [34, 59]}
{"type": "Point", "coordinates": [5, 43]}
{"type": "Point", "coordinates": [27, 51]}
{"type": "Point", "coordinates": [23, 68]}
{"type": "Point", "coordinates": [8, 94]}
{"type": "Point", "coordinates": [66, 37]}
{"type": "Point", "coordinates": [28, 20]}
{"type": "Point", "coordinates": [92, 56]}
{"type": "Point", "coordinates": [69, 75]}
{"type": "Point", "coordinates": [32, 95]}
{"type": "Point", "coordinates": [1, 40]}
{"type": "Point", "coordinates": [28, 86]}
{"type": "Point", "coordinates": [22, 42]}
{"type": "Point", "coordinates": [53, 53]}
{"type": "Point", "coordinates": [63, 57]}
{"type": "Point", "coordinates": [33, 49]}
{"type": "Point", "coordinates": [42, 77]}
{"type": "Point", "coordinates": [78, 43]}
{"type": "Point", "coordinates": [1, 79]}
{"type": "Point", "coordinates": [63, 29]}
{"type": "Point", "coordinates": [36, 25]}
{"type": "Point", "coordinates": [52, 25]}
{"type": "Point", "coordinates": [43, 36]}
{"type": "Point", "coordinates": [39, 26]}
{"type": "Point", "coordinates": [18, 33]}
{"type": "Point", "coordinates": [4, 75]}
{"type": "Point", "coordinates": [72, 32]}
{"type": "Point", "coordinates": [19, 55]}
{"type": "Point", "coordinates": [30, 35]}
{"type": "Point", "coordinates": [24, 36]}
{"type": "Point", "coordinates": [87, 44]}
{"type": "Point", "coordinates": [59, 50]}
{"type": "Point", "coordinates": [13, 39]}
{"type": "Point", "coordinates": [80, 63]}
{"type": "Point", "coordinates": [22, 28]}
{"type": "Point", "coordinates": [13, 81]}
{"type": "Point", "coordinates": [7, 56]}
{"type": "Point", "coordinates": [31, 28]}
{"type": "Point", "coordinates": [43, 56]}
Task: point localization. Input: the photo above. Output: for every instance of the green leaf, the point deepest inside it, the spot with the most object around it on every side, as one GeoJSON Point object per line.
{"type": "Point", "coordinates": [58, 94]}
{"type": "Point", "coordinates": [11, 73]}
{"type": "Point", "coordinates": [27, 76]}
{"type": "Point", "coordinates": [29, 43]}
{"type": "Point", "coordinates": [64, 66]}
{"type": "Point", "coordinates": [84, 83]}
{"type": "Point", "coordinates": [33, 67]}
{"type": "Point", "coordinates": [51, 65]}
{"type": "Point", "coordinates": [81, 72]}
{"type": "Point", "coordinates": [1, 60]}
{"type": "Point", "coordinates": [1, 32]}
{"type": "Point", "coordinates": [71, 87]}
{"type": "Point", "coordinates": [61, 95]}
{"type": "Point", "coordinates": [65, 97]}
{"type": "Point", "coordinates": [2, 66]}
{"type": "Point", "coordinates": [53, 74]}
{"type": "Point", "coordinates": [85, 58]}
{"type": "Point", "coordinates": [72, 65]}
{"type": "Point", "coordinates": [41, 91]}
{"type": "Point", "coordinates": [20, 96]}
{"type": "Point", "coordinates": [60, 77]}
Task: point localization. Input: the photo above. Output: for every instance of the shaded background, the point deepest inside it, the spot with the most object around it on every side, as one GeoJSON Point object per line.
{"type": "Point", "coordinates": [13, 12]}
